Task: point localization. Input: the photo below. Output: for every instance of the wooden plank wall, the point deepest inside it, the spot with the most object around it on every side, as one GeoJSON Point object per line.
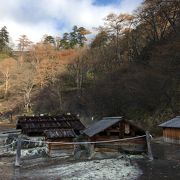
{"type": "Point", "coordinates": [59, 149]}
{"type": "Point", "coordinates": [131, 145]}
{"type": "Point", "coordinates": [171, 135]}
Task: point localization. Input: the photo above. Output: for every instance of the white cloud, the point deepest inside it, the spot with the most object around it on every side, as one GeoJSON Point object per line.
{"type": "Point", "coordinates": [38, 17]}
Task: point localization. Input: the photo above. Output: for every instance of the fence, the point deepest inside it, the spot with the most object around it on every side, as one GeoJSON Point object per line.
{"type": "Point", "coordinates": [20, 140]}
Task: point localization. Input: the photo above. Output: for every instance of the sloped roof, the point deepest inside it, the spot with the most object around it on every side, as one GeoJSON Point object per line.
{"type": "Point", "coordinates": [101, 125]}
{"type": "Point", "coordinates": [37, 124]}
{"type": "Point", "coordinates": [59, 133]}
{"type": "Point", "coordinates": [173, 123]}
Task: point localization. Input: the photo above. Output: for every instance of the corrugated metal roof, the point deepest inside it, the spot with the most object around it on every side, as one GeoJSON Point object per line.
{"type": "Point", "coordinates": [173, 123]}
{"type": "Point", "coordinates": [101, 125]}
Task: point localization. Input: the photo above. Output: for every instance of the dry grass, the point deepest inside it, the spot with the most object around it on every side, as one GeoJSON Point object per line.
{"type": "Point", "coordinates": [5, 125]}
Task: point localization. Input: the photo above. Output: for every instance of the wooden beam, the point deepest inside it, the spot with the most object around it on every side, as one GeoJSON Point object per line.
{"type": "Point", "coordinates": [18, 153]}
{"type": "Point", "coordinates": [148, 140]}
{"type": "Point", "coordinates": [121, 127]}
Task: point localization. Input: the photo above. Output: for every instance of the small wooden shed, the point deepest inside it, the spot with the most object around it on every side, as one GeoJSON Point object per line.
{"type": "Point", "coordinates": [57, 137]}
{"type": "Point", "coordinates": [171, 130]}
{"type": "Point", "coordinates": [114, 128]}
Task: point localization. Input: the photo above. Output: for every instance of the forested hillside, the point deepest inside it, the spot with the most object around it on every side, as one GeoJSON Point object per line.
{"type": "Point", "coordinates": [131, 67]}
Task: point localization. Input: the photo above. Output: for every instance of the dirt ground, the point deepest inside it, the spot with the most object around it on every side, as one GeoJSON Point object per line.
{"type": "Point", "coordinates": [6, 126]}
{"type": "Point", "coordinates": [94, 169]}
{"type": "Point", "coordinates": [6, 169]}
{"type": "Point", "coordinates": [166, 165]}
{"type": "Point", "coordinates": [58, 168]}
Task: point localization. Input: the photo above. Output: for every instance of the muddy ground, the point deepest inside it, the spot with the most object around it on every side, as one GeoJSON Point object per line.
{"type": "Point", "coordinates": [166, 163]}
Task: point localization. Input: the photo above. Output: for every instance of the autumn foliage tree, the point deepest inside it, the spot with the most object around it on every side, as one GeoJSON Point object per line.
{"type": "Point", "coordinates": [130, 67]}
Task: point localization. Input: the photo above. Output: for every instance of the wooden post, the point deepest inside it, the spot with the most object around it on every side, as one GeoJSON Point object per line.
{"type": "Point", "coordinates": [121, 126]}
{"type": "Point", "coordinates": [49, 148]}
{"type": "Point", "coordinates": [91, 151]}
{"type": "Point", "coordinates": [148, 141]}
{"type": "Point", "coordinates": [18, 153]}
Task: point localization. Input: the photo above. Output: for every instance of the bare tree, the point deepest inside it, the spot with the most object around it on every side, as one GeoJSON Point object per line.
{"type": "Point", "coordinates": [7, 67]}
{"type": "Point", "coordinates": [116, 25]}
{"type": "Point", "coordinates": [23, 45]}
{"type": "Point", "coordinates": [27, 87]}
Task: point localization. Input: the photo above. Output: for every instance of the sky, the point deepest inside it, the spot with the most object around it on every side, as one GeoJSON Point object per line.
{"type": "Point", "coordinates": [36, 18]}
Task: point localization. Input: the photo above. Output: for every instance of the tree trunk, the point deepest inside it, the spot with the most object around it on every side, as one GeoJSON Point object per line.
{"type": "Point", "coordinates": [6, 76]}
{"type": "Point", "coordinates": [27, 100]}
{"type": "Point", "coordinates": [60, 100]}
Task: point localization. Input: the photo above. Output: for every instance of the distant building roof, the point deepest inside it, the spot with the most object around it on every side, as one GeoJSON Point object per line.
{"type": "Point", "coordinates": [101, 125]}
{"type": "Point", "coordinates": [173, 123]}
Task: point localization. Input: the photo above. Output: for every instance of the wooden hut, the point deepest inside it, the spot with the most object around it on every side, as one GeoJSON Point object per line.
{"type": "Point", "coordinates": [171, 130]}
{"type": "Point", "coordinates": [114, 128]}
{"type": "Point", "coordinates": [56, 129]}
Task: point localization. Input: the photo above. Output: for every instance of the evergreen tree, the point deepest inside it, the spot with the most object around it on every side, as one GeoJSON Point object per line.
{"type": "Point", "coordinates": [76, 38]}
{"type": "Point", "coordinates": [49, 39]}
{"type": "Point", "coordinates": [4, 38]}
{"type": "Point", "coordinates": [81, 36]}
{"type": "Point", "coordinates": [64, 43]}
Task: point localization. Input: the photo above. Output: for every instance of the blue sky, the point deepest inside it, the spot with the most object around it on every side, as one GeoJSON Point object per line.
{"type": "Point", "coordinates": [35, 18]}
{"type": "Point", "coordinates": [106, 2]}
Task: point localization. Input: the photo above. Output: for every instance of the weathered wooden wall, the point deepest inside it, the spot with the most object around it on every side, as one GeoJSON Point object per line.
{"type": "Point", "coordinates": [120, 131]}
{"type": "Point", "coordinates": [171, 135]}
{"type": "Point", "coordinates": [134, 145]}
{"type": "Point", "coordinates": [57, 147]}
